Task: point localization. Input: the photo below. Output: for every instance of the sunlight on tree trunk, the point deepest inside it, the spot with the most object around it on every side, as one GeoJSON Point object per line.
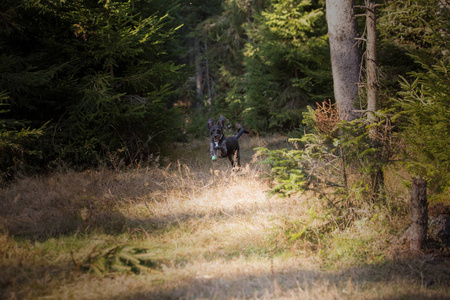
{"type": "Point", "coordinates": [345, 56]}
{"type": "Point", "coordinates": [371, 62]}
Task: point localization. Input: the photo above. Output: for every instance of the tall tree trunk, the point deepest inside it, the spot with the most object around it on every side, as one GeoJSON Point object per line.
{"type": "Point", "coordinates": [345, 56]}
{"type": "Point", "coordinates": [198, 71]}
{"type": "Point", "coordinates": [208, 79]}
{"type": "Point", "coordinates": [371, 62]}
{"type": "Point", "coordinates": [372, 89]}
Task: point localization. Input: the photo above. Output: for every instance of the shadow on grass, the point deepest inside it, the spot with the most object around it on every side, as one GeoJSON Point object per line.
{"type": "Point", "coordinates": [407, 279]}
{"type": "Point", "coordinates": [28, 280]}
{"type": "Point", "coordinates": [427, 278]}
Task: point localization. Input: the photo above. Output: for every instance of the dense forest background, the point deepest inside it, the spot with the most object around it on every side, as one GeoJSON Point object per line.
{"type": "Point", "coordinates": [86, 80]}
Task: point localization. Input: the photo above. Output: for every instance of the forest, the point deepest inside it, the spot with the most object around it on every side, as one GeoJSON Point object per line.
{"type": "Point", "coordinates": [107, 188]}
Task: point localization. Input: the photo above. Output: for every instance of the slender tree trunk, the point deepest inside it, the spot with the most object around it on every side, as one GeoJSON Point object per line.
{"type": "Point", "coordinates": [208, 81]}
{"type": "Point", "coordinates": [371, 62]}
{"type": "Point", "coordinates": [372, 90]}
{"type": "Point", "coordinates": [198, 71]}
{"type": "Point", "coordinates": [345, 56]}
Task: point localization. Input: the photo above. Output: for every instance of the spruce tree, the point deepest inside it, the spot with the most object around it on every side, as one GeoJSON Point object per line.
{"type": "Point", "coordinates": [101, 72]}
{"type": "Point", "coordinates": [287, 63]}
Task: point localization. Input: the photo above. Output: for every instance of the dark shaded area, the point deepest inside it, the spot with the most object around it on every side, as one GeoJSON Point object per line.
{"type": "Point", "coordinates": [38, 209]}
{"type": "Point", "coordinates": [426, 275]}
{"type": "Point", "coordinates": [27, 280]}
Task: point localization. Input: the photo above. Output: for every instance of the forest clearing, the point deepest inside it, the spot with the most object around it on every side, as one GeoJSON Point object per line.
{"type": "Point", "coordinates": [110, 187]}
{"type": "Point", "coordinates": [207, 232]}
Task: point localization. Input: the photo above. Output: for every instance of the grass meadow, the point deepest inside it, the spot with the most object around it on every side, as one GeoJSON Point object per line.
{"type": "Point", "coordinates": [197, 230]}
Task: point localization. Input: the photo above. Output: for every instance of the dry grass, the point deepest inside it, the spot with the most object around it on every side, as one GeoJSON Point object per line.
{"type": "Point", "coordinates": [214, 234]}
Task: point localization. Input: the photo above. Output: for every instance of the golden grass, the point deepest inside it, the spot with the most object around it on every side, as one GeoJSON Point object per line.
{"type": "Point", "coordinates": [214, 234]}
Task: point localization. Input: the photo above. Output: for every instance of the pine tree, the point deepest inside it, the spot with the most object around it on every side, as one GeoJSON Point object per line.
{"type": "Point", "coordinates": [124, 102]}
{"type": "Point", "coordinates": [425, 122]}
{"type": "Point", "coordinates": [101, 72]}
{"type": "Point", "coordinates": [421, 28]}
{"type": "Point", "coordinates": [287, 63]}
{"type": "Point", "coordinates": [224, 37]}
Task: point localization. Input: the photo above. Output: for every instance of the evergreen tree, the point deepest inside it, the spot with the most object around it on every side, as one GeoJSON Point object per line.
{"type": "Point", "coordinates": [425, 122]}
{"type": "Point", "coordinates": [193, 52]}
{"type": "Point", "coordinates": [287, 63]}
{"type": "Point", "coordinates": [124, 101]}
{"type": "Point", "coordinates": [17, 149]}
{"type": "Point", "coordinates": [101, 71]}
{"type": "Point", "coordinates": [421, 28]}
{"type": "Point", "coordinates": [227, 36]}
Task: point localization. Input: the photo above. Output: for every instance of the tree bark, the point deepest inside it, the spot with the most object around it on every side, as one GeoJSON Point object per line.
{"type": "Point", "coordinates": [419, 214]}
{"type": "Point", "coordinates": [208, 79]}
{"type": "Point", "coordinates": [345, 55]}
{"type": "Point", "coordinates": [198, 72]}
{"type": "Point", "coordinates": [372, 90]}
{"type": "Point", "coordinates": [371, 62]}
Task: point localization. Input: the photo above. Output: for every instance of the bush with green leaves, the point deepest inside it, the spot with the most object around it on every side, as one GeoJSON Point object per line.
{"type": "Point", "coordinates": [285, 169]}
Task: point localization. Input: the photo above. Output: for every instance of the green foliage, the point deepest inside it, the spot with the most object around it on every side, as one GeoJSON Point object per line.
{"type": "Point", "coordinates": [325, 159]}
{"type": "Point", "coordinates": [16, 145]}
{"type": "Point", "coordinates": [196, 126]}
{"type": "Point", "coordinates": [100, 72]}
{"type": "Point", "coordinates": [314, 230]}
{"type": "Point", "coordinates": [224, 36]}
{"type": "Point", "coordinates": [124, 103]}
{"type": "Point", "coordinates": [268, 60]}
{"type": "Point", "coordinates": [287, 63]}
{"type": "Point", "coordinates": [118, 258]}
{"type": "Point", "coordinates": [413, 26]}
{"type": "Point", "coordinates": [403, 27]}
{"type": "Point", "coordinates": [424, 118]}
{"type": "Point", "coordinates": [285, 170]}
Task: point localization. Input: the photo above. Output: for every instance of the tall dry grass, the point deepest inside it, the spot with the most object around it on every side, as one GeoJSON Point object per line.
{"type": "Point", "coordinates": [212, 232]}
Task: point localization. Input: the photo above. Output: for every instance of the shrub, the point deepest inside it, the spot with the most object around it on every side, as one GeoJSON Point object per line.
{"type": "Point", "coordinates": [334, 150]}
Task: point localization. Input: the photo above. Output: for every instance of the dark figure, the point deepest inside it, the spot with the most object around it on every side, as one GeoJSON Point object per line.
{"type": "Point", "coordinates": [222, 146]}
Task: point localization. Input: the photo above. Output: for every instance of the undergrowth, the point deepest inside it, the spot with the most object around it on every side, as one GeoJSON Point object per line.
{"type": "Point", "coordinates": [344, 164]}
